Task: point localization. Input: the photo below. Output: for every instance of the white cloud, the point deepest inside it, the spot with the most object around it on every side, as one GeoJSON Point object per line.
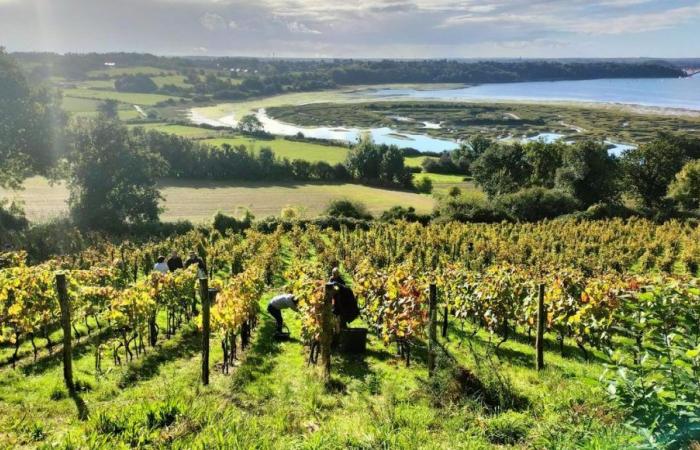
{"type": "Point", "coordinates": [300, 28]}
{"type": "Point", "coordinates": [212, 22]}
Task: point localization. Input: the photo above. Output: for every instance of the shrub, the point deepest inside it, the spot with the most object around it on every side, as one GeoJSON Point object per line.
{"type": "Point", "coordinates": [685, 188]}
{"type": "Point", "coordinates": [348, 208]}
{"type": "Point", "coordinates": [222, 222]}
{"type": "Point", "coordinates": [135, 83]}
{"type": "Point", "coordinates": [424, 185]}
{"type": "Point", "coordinates": [467, 210]}
{"type": "Point", "coordinates": [536, 204]}
{"type": "Point", "coordinates": [407, 214]}
{"type": "Point", "coordinates": [12, 217]}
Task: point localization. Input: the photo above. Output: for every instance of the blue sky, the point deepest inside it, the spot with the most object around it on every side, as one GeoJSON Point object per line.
{"type": "Point", "coordinates": [357, 28]}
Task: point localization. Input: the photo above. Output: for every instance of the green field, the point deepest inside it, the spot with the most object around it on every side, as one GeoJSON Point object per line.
{"type": "Point", "coordinates": [85, 107]}
{"type": "Point", "coordinates": [176, 80]}
{"type": "Point", "coordinates": [115, 72]}
{"type": "Point", "coordinates": [180, 130]}
{"type": "Point", "coordinates": [123, 97]}
{"type": "Point", "coordinates": [199, 200]}
{"type": "Point", "coordinates": [289, 149]}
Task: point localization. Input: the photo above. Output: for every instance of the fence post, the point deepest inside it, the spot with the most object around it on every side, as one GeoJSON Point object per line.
{"type": "Point", "coordinates": [327, 332]}
{"type": "Point", "coordinates": [64, 303]}
{"type": "Point", "coordinates": [541, 317]}
{"type": "Point", "coordinates": [207, 296]}
{"type": "Point", "coordinates": [445, 322]}
{"type": "Point", "coordinates": [432, 327]}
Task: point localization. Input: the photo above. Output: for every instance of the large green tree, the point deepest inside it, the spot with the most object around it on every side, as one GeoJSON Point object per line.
{"type": "Point", "coordinates": [685, 188]}
{"type": "Point", "coordinates": [112, 176]}
{"type": "Point", "coordinates": [30, 125]}
{"type": "Point", "coordinates": [589, 173]}
{"type": "Point", "coordinates": [502, 169]}
{"type": "Point", "coordinates": [650, 168]}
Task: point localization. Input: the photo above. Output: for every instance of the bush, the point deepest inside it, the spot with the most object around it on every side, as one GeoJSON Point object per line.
{"type": "Point", "coordinates": [407, 214]}
{"type": "Point", "coordinates": [348, 208]}
{"type": "Point", "coordinates": [424, 185]}
{"type": "Point", "coordinates": [536, 204]}
{"type": "Point", "coordinates": [222, 222]}
{"type": "Point", "coordinates": [135, 83]}
{"type": "Point", "coordinates": [467, 210]}
{"type": "Point", "coordinates": [12, 217]}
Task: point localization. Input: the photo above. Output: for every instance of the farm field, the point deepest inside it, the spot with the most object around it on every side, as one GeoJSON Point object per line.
{"type": "Point", "coordinates": [85, 107]}
{"type": "Point", "coordinates": [115, 72]}
{"type": "Point", "coordinates": [180, 130]}
{"type": "Point", "coordinates": [199, 200]}
{"type": "Point", "coordinates": [123, 97]}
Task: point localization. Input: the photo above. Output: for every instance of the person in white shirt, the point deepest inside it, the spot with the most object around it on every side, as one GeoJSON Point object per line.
{"type": "Point", "coordinates": [161, 266]}
{"type": "Point", "coordinates": [277, 304]}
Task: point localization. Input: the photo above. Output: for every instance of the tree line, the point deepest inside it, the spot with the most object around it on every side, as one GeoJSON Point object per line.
{"type": "Point", "coordinates": [240, 78]}
{"type": "Point", "coordinates": [536, 180]}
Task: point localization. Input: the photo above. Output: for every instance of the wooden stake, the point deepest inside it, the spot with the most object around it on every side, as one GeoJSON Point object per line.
{"type": "Point", "coordinates": [432, 328]}
{"type": "Point", "coordinates": [64, 303]}
{"type": "Point", "coordinates": [327, 333]}
{"type": "Point", "coordinates": [208, 296]}
{"type": "Point", "coordinates": [539, 340]}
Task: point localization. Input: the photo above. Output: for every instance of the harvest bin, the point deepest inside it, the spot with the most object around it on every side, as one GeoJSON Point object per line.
{"type": "Point", "coordinates": [353, 340]}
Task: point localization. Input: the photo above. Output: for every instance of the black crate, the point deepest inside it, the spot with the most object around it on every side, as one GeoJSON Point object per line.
{"type": "Point", "coordinates": [353, 340]}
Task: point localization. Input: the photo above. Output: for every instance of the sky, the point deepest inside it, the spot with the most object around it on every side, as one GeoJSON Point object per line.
{"type": "Point", "coordinates": [357, 28]}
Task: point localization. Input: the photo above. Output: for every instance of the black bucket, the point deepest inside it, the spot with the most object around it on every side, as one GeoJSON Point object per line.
{"type": "Point", "coordinates": [353, 340]}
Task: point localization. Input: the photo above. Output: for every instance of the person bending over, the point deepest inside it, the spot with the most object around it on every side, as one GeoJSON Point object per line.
{"type": "Point", "coordinates": [277, 304]}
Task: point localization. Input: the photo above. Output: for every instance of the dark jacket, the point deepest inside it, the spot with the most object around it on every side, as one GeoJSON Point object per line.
{"type": "Point", "coordinates": [345, 304]}
{"type": "Point", "coordinates": [196, 260]}
{"type": "Point", "coordinates": [175, 263]}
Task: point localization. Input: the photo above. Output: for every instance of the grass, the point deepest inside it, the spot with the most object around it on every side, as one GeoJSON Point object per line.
{"type": "Point", "coordinates": [180, 130]}
{"type": "Point", "coordinates": [442, 183]}
{"type": "Point", "coordinates": [115, 72]}
{"type": "Point", "coordinates": [274, 400]}
{"type": "Point", "coordinates": [289, 149]}
{"type": "Point", "coordinates": [123, 97]}
{"type": "Point", "coordinates": [199, 200]}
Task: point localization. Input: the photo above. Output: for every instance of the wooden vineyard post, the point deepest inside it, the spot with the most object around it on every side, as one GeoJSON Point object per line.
{"type": "Point", "coordinates": [432, 328]}
{"type": "Point", "coordinates": [64, 303]}
{"type": "Point", "coordinates": [444, 322]}
{"type": "Point", "coordinates": [327, 332]}
{"type": "Point", "coordinates": [208, 296]}
{"type": "Point", "coordinates": [539, 340]}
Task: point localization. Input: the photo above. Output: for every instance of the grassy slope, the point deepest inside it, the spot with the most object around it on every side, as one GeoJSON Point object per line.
{"type": "Point", "coordinates": [275, 400]}
{"type": "Point", "coordinates": [124, 97]}
{"type": "Point", "coordinates": [199, 200]}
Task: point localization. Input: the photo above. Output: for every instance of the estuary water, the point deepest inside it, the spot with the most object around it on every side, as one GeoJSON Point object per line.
{"type": "Point", "coordinates": [681, 93]}
{"type": "Point", "coordinates": [676, 93]}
